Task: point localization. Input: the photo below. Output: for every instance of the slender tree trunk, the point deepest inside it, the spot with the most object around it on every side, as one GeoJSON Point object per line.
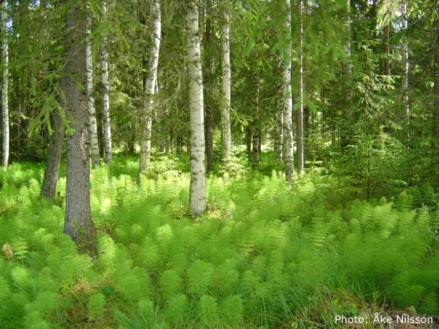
{"type": "Point", "coordinates": [149, 88]}
{"type": "Point", "coordinates": [278, 133]}
{"type": "Point", "coordinates": [436, 96]}
{"type": "Point", "coordinates": [248, 140]}
{"type": "Point", "coordinates": [197, 199]}
{"type": "Point", "coordinates": [226, 88]}
{"type": "Point", "coordinates": [255, 131]}
{"type": "Point", "coordinates": [208, 84]}
{"type": "Point", "coordinates": [346, 129]}
{"type": "Point", "coordinates": [386, 38]}
{"type": "Point", "coordinates": [300, 139]}
{"type": "Point", "coordinates": [78, 224]}
{"type": "Point", "coordinates": [48, 188]}
{"type": "Point", "coordinates": [406, 77]}
{"type": "Point", "coordinates": [5, 84]}
{"type": "Point", "coordinates": [288, 101]}
{"type": "Point", "coordinates": [108, 152]}
{"type": "Point", "coordinates": [94, 145]}
{"type": "Point", "coordinates": [209, 137]}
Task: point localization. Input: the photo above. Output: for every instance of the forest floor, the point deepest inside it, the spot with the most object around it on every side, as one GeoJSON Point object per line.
{"type": "Point", "coordinates": [264, 254]}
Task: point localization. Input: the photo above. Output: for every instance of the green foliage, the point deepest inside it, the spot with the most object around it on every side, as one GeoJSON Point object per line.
{"type": "Point", "coordinates": [263, 254]}
{"type": "Point", "coordinates": [96, 306]}
{"type": "Point", "coordinates": [208, 310]}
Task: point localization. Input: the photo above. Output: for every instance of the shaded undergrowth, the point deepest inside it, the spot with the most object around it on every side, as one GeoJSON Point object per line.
{"type": "Point", "coordinates": [263, 255]}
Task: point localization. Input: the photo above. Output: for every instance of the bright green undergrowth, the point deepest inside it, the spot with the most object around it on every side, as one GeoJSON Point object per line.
{"type": "Point", "coordinates": [260, 256]}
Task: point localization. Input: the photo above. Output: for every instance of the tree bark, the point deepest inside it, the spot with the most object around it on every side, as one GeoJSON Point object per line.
{"type": "Point", "coordinates": [288, 101]}
{"type": "Point", "coordinates": [48, 187]}
{"type": "Point", "coordinates": [5, 84]}
{"type": "Point", "coordinates": [226, 88]}
{"type": "Point", "coordinates": [108, 152]}
{"type": "Point", "coordinates": [406, 77]}
{"type": "Point", "coordinates": [278, 137]}
{"type": "Point", "coordinates": [300, 139]}
{"type": "Point", "coordinates": [255, 131]}
{"type": "Point", "coordinates": [78, 224]}
{"type": "Point", "coordinates": [149, 88]}
{"type": "Point", "coordinates": [436, 95]}
{"type": "Point", "coordinates": [197, 199]}
{"type": "Point", "coordinates": [208, 83]}
{"type": "Point", "coordinates": [386, 38]}
{"type": "Point", "coordinates": [94, 145]}
{"type": "Point", "coordinates": [346, 129]}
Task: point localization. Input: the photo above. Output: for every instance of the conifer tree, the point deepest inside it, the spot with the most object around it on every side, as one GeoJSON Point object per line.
{"type": "Point", "coordinates": [78, 224]}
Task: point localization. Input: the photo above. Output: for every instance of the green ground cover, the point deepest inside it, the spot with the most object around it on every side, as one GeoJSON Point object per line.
{"type": "Point", "coordinates": [264, 255]}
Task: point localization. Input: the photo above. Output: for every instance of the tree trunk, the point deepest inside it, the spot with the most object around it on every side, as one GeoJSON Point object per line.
{"type": "Point", "coordinates": [278, 137]}
{"type": "Point", "coordinates": [386, 38]}
{"type": "Point", "coordinates": [209, 137]}
{"type": "Point", "coordinates": [300, 144]}
{"type": "Point", "coordinates": [108, 152]}
{"type": "Point", "coordinates": [78, 224]}
{"type": "Point", "coordinates": [208, 84]}
{"type": "Point", "coordinates": [288, 101]}
{"type": "Point", "coordinates": [346, 120]}
{"type": "Point", "coordinates": [436, 97]}
{"type": "Point", "coordinates": [5, 83]}
{"type": "Point", "coordinates": [197, 199]}
{"type": "Point", "coordinates": [94, 145]}
{"type": "Point", "coordinates": [226, 88]}
{"type": "Point", "coordinates": [51, 171]}
{"type": "Point", "coordinates": [255, 131]}
{"type": "Point", "coordinates": [406, 77]}
{"type": "Point", "coordinates": [149, 88]}
{"type": "Point", "coordinates": [248, 140]}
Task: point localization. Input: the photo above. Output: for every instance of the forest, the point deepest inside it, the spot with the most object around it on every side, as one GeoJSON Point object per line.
{"type": "Point", "coordinates": [219, 164]}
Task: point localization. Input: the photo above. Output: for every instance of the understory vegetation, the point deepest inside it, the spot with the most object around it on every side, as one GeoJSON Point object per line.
{"type": "Point", "coordinates": [263, 255]}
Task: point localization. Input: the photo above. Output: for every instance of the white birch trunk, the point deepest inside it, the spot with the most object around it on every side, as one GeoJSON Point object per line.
{"type": "Point", "coordinates": [288, 101]}
{"type": "Point", "coordinates": [197, 199]}
{"type": "Point", "coordinates": [300, 143]}
{"type": "Point", "coordinates": [108, 153]}
{"type": "Point", "coordinates": [226, 87]}
{"type": "Point", "coordinates": [278, 140]}
{"type": "Point", "coordinates": [5, 83]}
{"type": "Point", "coordinates": [150, 83]}
{"type": "Point", "coordinates": [405, 82]}
{"type": "Point", "coordinates": [94, 146]}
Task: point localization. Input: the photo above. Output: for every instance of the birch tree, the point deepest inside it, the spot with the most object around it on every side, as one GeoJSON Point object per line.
{"type": "Point", "coordinates": [78, 224]}
{"type": "Point", "coordinates": [149, 88]}
{"type": "Point", "coordinates": [94, 146]}
{"type": "Point", "coordinates": [300, 144]}
{"type": "Point", "coordinates": [287, 100]}
{"type": "Point", "coordinates": [209, 84]}
{"type": "Point", "coordinates": [406, 79]}
{"type": "Point", "coordinates": [5, 83]}
{"type": "Point", "coordinates": [278, 132]}
{"type": "Point", "coordinates": [108, 152]}
{"type": "Point", "coordinates": [197, 199]}
{"type": "Point", "coordinates": [226, 87]}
